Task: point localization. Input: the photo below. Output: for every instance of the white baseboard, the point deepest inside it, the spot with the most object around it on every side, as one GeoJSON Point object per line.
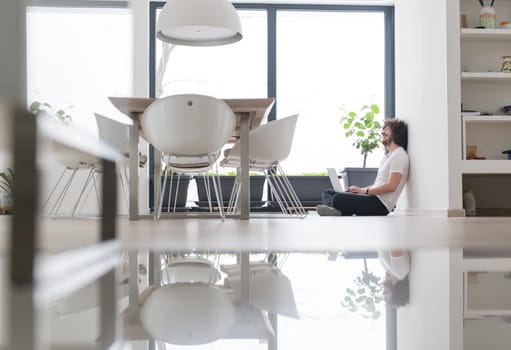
{"type": "Point", "coordinates": [429, 212]}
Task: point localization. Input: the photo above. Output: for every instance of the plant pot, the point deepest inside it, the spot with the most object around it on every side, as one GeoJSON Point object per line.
{"type": "Point", "coordinates": [182, 194]}
{"type": "Point", "coordinates": [227, 183]}
{"type": "Point", "coordinates": [361, 177]}
{"type": "Point", "coordinates": [309, 188]}
{"type": "Point", "coordinates": [5, 204]}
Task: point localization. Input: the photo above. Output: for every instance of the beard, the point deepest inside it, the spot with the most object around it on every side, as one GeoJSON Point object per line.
{"type": "Point", "coordinates": [386, 142]}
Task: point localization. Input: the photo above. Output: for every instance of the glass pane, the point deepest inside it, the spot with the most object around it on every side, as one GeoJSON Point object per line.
{"type": "Point", "coordinates": [327, 60]}
{"type": "Point", "coordinates": [77, 57]}
{"type": "Point", "coordinates": [231, 71]}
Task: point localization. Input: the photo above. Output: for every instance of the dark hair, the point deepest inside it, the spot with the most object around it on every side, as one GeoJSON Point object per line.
{"type": "Point", "coordinates": [399, 131]}
{"type": "Point", "coordinates": [400, 294]}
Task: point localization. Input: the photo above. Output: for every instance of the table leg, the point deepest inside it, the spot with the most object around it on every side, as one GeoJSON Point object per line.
{"type": "Point", "coordinates": [133, 312]}
{"type": "Point", "coordinates": [244, 173]}
{"type": "Point", "coordinates": [156, 178]}
{"type": "Point", "coordinates": [244, 261]}
{"type": "Point", "coordinates": [133, 169]}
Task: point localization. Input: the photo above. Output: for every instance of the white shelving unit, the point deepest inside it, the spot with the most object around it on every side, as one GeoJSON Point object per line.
{"type": "Point", "coordinates": [487, 287]}
{"type": "Point", "coordinates": [485, 88]}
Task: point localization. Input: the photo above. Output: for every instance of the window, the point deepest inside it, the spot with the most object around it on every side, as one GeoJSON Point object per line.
{"type": "Point", "coordinates": [75, 69]}
{"type": "Point", "coordinates": [230, 71]}
{"type": "Point", "coordinates": [314, 59]}
{"type": "Point", "coordinates": [326, 61]}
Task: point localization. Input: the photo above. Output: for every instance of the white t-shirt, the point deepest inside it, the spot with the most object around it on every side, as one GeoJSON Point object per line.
{"type": "Point", "coordinates": [399, 266]}
{"type": "Point", "coordinates": [396, 161]}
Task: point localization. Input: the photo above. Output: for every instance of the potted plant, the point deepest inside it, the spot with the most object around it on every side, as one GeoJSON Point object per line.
{"type": "Point", "coordinates": [227, 183]}
{"type": "Point", "coordinates": [365, 297]}
{"type": "Point", "coordinates": [37, 106]}
{"type": "Point", "coordinates": [309, 186]}
{"type": "Point", "coordinates": [177, 186]}
{"type": "Point", "coordinates": [365, 128]}
{"type": "Point", "coordinates": [7, 189]}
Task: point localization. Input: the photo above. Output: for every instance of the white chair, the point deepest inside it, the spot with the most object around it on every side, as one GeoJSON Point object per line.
{"type": "Point", "coordinates": [111, 132]}
{"type": "Point", "coordinates": [269, 145]}
{"type": "Point", "coordinates": [189, 130]}
{"type": "Point", "coordinates": [74, 162]}
{"type": "Point", "coordinates": [116, 134]}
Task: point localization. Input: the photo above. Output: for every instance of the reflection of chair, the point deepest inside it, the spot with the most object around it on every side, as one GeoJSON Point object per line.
{"type": "Point", "coordinates": [270, 289]}
{"type": "Point", "coordinates": [188, 313]}
{"type": "Point", "coordinates": [189, 309]}
{"type": "Point", "coordinates": [189, 269]}
{"type": "Point", "coordinates": [269, 145]}
{"type": "Point", "coordinates": [189, 130]}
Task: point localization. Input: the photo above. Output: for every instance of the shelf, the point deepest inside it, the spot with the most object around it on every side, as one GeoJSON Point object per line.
{"type": "Point", "coordinates": [486, 76]}
{"type": "Point", "coordinates": [485, 34]}
{"type": "Point", "coordinates": [489, 166]}
{"type": "Point", "coordinates": [486, 264]}
{"type": "Point", "coordinates": [479, 314]}
{"type": "Point", "coordinates": [487, 119]}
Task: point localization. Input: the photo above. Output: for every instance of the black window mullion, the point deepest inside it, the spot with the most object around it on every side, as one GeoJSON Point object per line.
{"type": "Point", "coordinates": [272, 59]}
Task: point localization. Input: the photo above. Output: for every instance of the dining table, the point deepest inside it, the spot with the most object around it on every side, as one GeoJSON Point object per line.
{"type": "Point", "coordinates": [249, 112]}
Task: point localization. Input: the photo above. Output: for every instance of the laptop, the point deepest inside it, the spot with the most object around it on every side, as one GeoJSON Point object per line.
{"type": "Point", "coordinates": [334, 180]}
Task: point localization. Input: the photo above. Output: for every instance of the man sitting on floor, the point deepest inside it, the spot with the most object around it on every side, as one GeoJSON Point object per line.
{"type": "Point", "coordinates": [380, 198]}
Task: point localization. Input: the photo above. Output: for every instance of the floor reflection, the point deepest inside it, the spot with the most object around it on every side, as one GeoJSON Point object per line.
{"type": "Point", "coordinates": [296, 301]}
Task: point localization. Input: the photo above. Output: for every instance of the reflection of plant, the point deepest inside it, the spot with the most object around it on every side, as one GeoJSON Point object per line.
{"type": "Point", "coordinates": [37, 106]}
{"type": "Point", "coordinates": [364, 127]}
{"type": "Point", "coordinates": [365, 297]}
{"type": "Point", "coordinates": [7, 182]}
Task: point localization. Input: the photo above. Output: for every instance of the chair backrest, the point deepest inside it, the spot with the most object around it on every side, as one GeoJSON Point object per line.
{"type": "Point", "coordinates": [188, 124]}
{"type": "Point", "coordinates": [270, 142]}
{"type": "Point", "coordinates": [113, 132]}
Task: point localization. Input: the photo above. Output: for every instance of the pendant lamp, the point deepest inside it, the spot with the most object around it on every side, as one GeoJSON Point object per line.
{"type": "Point", "coordinates": [199, 23]}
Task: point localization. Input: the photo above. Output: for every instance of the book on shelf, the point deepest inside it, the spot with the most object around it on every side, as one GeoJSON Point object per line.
{"type": "Point", "coordinates": [468, 113]}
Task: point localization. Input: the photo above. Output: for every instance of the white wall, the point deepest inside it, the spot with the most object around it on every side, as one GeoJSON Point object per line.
{"type": "Point", "coordinates": [427, 96]}
{"type": "Point", "coordinates": [433, 318]}
{"type": "Point", "coordinates": [422, 99]}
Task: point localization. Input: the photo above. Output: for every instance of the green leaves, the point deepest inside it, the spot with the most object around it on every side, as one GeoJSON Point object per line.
{"type": "Point", "coordinates": [37, 106]}
{"type": "Point", "coordinates": [365, 127]}
{"type": "Point", "coordinates": [7, 182]}
{"type": "Point", "coordinates": [366, 296]}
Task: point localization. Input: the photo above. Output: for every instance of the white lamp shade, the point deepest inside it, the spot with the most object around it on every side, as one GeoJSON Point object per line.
{"type": "Point", "coordinates": [188, 314]}
{"type": "Point", "coordinates": [199, 23]}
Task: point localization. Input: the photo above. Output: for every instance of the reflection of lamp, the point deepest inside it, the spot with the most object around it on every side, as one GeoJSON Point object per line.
{"type": "Point", "coordinates": [188, 313]}
{"type": "Point", "coordinates": [199, 23]}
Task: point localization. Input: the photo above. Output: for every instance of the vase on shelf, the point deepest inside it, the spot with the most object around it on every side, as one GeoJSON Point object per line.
{"type": "Point", "coordinates": [487, 17]}
{"type": "Point", "coordinates": [469, 201]}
